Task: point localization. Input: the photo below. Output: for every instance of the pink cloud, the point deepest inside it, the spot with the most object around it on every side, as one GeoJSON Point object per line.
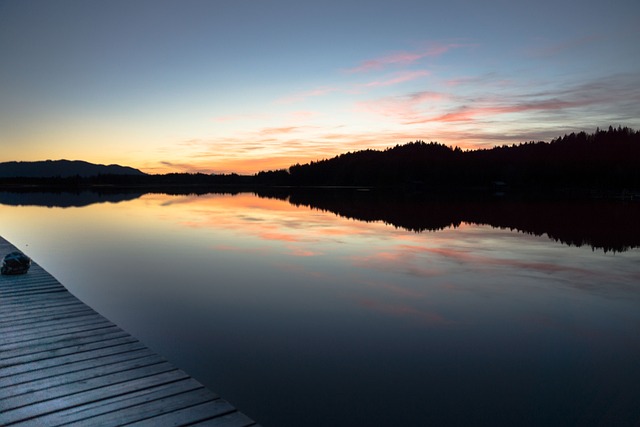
{"type": "Point", "coordinates": [299, 252]}
{"type": "Point", "coordinates": [403, 58]}
{"type": "Point", "coordinates": [468, 114]}
{"type": "Point", "coordinates": [398, 78]}
{"type": "Point", "coordinates": [447, 108]}
{"type": "Point", "coordinates": [402, 108]}
{"type": "Point", "coordinates": [421, 97]}
{"type": "Point", "coordinates": [462, 115]}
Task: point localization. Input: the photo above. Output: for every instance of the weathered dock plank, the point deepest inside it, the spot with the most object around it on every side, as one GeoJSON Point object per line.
{"type": "Point", "coordinates": [90, 351]}
{"type": "Point", "coordinates": [71, 339]}
{"type": "Point", "coordinates": [42, 326]}
{"type": "Point", "coordinates": [61, 363]}
{"type": "Point", "coordinates": [50, 405]}
{"type": "Point", "coordinates": [84, 375]}
{"type": "Point", "coordinates": [68, 368]}
{"type": "Point", "coordinates": [56, 330]}
{"type": "Point", "coordinates": [43, 310]}
{"type": "Point", "coordinates": [108, 407]}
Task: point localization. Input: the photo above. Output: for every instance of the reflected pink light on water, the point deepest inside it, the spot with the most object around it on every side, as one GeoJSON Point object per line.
{"type": "Point", "coordinates": [268, 219]}
{"type": "Point", "coordinates": [273, 291]}
{"type": "Point", "coordinates": [395, 290]}
{"type": "Point", "coordinates": [430, 318]}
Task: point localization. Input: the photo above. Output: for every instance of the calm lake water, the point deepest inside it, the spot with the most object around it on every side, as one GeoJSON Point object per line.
{"type": "Point", "coordinates": [356, 310]}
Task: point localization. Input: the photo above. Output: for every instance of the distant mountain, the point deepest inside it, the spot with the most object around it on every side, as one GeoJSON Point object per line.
{"type": "Point", "coordinates": [62, 169]}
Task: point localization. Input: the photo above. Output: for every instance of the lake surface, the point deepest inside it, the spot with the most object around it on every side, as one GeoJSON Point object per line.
{"type": "Point", "coordinates": [358, 309]}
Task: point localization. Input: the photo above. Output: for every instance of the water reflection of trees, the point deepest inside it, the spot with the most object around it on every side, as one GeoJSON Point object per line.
{"type": "Point", "coordinates": [610, 225]}
{"type": "Point", "coordinates": [602, 224]}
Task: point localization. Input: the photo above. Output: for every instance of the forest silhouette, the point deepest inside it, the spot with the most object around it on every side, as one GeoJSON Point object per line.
{"type": "Point", "coordinates": [534, 187]}
{"type": "Point", "coordinates": [605, 160]}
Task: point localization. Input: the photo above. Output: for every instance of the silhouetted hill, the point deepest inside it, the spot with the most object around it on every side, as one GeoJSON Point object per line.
{"type": "Point", "coordinates": [62, 169]}
{"type": "Point", "coordinates": [605, 162]}
{"type": "Point", "coordinates": [604, 159]}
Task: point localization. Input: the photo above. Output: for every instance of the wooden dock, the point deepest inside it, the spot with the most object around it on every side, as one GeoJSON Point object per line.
{"type": "Point", "coordinates": [61, 363]}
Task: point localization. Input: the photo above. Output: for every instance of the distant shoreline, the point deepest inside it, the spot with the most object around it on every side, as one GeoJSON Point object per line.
{"type": "Point", "coordinates": [602, 163]}
{"type": "Point", "coordinates": [534, 191]}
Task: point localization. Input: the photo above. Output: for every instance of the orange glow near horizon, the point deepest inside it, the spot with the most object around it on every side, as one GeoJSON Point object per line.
{"type": "Point", "coordinates": [210, 96]}
{"type": "Point", "coordinates": [300, 151]}
{"type": "Point", "coordinates": [225, 160]}
{"type": "Point", "coordinates": [381, 103]}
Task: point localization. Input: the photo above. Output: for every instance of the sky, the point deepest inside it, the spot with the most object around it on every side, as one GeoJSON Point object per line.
{"type": "Point", "coordinates": [243, 86]}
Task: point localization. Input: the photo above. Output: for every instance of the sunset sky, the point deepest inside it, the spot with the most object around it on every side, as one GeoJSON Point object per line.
{"type": "Point", "coordinates": [242, 86]}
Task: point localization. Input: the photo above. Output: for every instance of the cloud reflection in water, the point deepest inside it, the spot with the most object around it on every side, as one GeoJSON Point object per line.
{"type": "Point", "coordinates": [260, 298]}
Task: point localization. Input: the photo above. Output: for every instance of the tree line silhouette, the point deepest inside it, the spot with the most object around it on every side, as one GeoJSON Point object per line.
{"type": "Point", "coordinates": [606, 159]}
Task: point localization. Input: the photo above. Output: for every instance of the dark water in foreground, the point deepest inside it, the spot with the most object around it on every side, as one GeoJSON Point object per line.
{"type": "Point", "coordinates": [392, 313]}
